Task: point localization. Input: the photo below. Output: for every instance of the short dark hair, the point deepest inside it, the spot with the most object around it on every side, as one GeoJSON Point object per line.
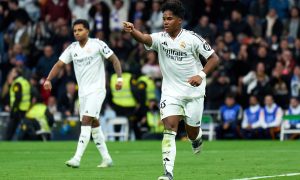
{"type": "Point", "coordinates": [175, 6]}
{"type": "Point", "coordinates": [84, 22]}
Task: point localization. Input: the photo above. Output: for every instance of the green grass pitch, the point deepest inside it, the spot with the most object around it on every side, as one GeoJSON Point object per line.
{"type": "Point", "coordinates": [141, 160]}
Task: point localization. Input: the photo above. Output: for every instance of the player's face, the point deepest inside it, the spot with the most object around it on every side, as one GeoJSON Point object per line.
{"type": "Point", "coordinates": [172, 23]}
{"type": "Point", "coordinates": [80, 33]}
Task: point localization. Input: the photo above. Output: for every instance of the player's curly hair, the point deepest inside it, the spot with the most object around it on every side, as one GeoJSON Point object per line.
{"type": "Point", "coordinates": [84, 22]}
{"type": "Point", "coordinates": [175, 6]}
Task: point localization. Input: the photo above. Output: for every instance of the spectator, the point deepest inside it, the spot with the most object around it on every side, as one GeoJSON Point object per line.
{"type": "Point", "coordinates": [281, 7]}
{"type": "Point", "coordinates": [118, 13]}
{"type": "Point", "coordinates": [211, 9]}
{"type": "Point", "coordinates": [272, 116]}
{"type": "Point", "coordinates": [52, 106]}
{"type": "Point", "coordinates": [99, 16]}
{"type": "Point", "coordinates": [80, 9]}
{"type": "Point", "coordinates": [67, 101]}
{"type": "Point", "coordinates": [259, 8]}
{"type": "Point", "coordinates": [139, 11]}
{"type": "Point", "coordinates": [238, 25]}
{"type": "Point", "coordinates": [14, 12]}
{"type": "Point", "coordinates": [19, 102]}
{"type": "Point", "coordinates": [252, 121]}
{"type": "Point", "coordinates": [272, 25]}
{"type": "Point", "coordinates": [37, 122]}
{"type": "Point", "coordinates": [257, 82]}
{"type": "Point", "coordinates": [152, 122]}
{"type": "Point", "coordinates": [40, 38]}
{"type": "Point", "coordinates": [254, 25]}
{"type": "Point", "coordinates": [280, 88]}
{"type": "Point", "coordinates": [230, 116]}
{"type": "Point", "coordinates": [217, 90]}
{"type": "Point", "coordinates": [292, 26]}
{"type": "Point", "coordinates": [295, 82]}
{"type": "Point", "coordinates": [155, 22]}
{"type": "Point", "coordinates": [54, 10]}
{"type": "Point", "coordinates": [204, 29]}
{"type": "Point", "coordinates": [151, 67]}
{"type": "Point", "coordinates": [296, 51]}
{"type": "Point", "coordinates": [20, 36]}
{"type": "Point", "coordinates": [32, 8]}
{"type": "Point", "coordinates": [294, 109]}
{"type": "Point", "coordinates": [46, 62]}
{"type": "Point", "coordinates": [288, 62]}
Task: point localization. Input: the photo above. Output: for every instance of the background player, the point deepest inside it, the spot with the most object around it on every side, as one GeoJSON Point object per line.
{"type": "Point", "coordinates": [88, 55]}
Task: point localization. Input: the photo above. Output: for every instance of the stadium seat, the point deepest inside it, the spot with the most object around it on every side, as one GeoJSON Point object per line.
{"type": "Point", "coordinates": [207, 126]}
{"type": "Point", "coordinates": [284, 130]}
{"type": "Point", "coordinates": [123, 134]}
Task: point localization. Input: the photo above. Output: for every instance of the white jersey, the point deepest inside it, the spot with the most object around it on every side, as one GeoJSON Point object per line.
{"type": "Point", "coordinates": [88, 64]}
{"type": "Point", "coordinates": [179, 60]}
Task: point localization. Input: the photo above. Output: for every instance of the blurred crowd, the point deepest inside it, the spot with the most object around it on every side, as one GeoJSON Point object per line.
{"type": "Point", "coordinates": [258, 42]}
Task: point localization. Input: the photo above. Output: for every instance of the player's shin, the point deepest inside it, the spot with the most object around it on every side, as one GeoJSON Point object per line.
{"type": "Point", "coordinates": [197, 143]}
{"type": "Point", "coordinates": [168, 151]}
{"type": "Point", "coordinates": [83, 141]}
{"type": "Point", "coordinates": [99, 140]}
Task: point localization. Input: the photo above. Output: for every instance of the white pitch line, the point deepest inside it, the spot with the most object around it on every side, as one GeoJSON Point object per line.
{"type": "Point", "coordinates": [265, 177]}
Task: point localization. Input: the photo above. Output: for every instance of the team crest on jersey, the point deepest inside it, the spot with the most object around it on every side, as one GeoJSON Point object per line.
{"type": "Point", "coordinates": [182, 44]}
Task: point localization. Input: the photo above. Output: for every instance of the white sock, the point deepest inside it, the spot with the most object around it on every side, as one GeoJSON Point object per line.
{"type": "Point", "coordinates": [199, 135]}
{"type": "Point", "coordinates": [83, 141]}
{"type": "Point", "coordinates": [169, 150]}
{"type": "Point", "coordinates": [99, 140]}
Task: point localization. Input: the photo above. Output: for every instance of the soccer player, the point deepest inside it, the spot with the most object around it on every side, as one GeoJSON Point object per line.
{"type": "Point", "coordinates": [183, 87]}
{"type": "Point", "coordinates": [88, 56]}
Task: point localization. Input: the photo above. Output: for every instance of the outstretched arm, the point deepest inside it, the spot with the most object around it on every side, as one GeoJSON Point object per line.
{"type": "Point", "coordinates": [117, 67]}
{"type": "Point", "coordinates": [136, 34]}
{"type": "Point", "coordinates": [53, 73]}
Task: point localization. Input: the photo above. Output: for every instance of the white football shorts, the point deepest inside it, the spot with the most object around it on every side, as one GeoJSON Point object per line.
{"type": "Point", "coordinates": [90, 105]}
{"type": "Point", "coordinates": [190, 109]}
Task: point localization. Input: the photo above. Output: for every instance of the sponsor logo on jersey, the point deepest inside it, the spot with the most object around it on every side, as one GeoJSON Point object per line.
{"type": "Point", "coordinates": [173, 54]}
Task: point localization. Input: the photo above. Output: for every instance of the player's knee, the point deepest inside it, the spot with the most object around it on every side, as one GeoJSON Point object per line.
{"type": "Point", "coordinates": [171, 127]}
{"type": "Point", "coordinates": [86, 121]}
{"type": "Point", "coordinates": [95, 123]}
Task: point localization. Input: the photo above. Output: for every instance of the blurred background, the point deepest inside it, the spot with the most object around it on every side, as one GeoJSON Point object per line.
{"type": "Point", "coordinates": [254, 93]}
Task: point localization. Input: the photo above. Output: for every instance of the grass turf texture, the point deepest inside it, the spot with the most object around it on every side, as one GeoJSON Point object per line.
{"type": "Point", "coordinates": [142, 160]}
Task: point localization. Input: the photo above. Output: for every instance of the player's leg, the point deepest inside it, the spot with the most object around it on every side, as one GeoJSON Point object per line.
{"type": "Point", "coordinates": [195, 136]}
{"type": "Point", "coordinates": [99, 141]}
{"type": "Point", "coordinates": [84, 138]}
{"type": "Point", "coordinates": [194, 110]}
{"type": "Point", "coordinates": [171, 113]}
{"type": "Point", "coordinates": [169, 146]}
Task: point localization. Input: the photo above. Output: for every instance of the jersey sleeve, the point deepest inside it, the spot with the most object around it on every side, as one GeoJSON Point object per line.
{"type": "Point", "coordinates": [202, 47]}
{"type": "Point", "coordinates": [104, 49]}
{"type": "Point", "coordinates": [155, 41]}
{"type": "Point", "coordinates": [66, 56]}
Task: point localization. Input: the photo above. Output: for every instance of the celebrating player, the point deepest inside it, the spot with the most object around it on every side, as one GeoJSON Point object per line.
{"type": "Point", "coordinates": [183, 87]}
{"type": "Point", "coordinates": [88, 56]}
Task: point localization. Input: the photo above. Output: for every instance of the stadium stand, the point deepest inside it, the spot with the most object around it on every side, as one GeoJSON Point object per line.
{"type": "Point", "coordinates": [258, 42]}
